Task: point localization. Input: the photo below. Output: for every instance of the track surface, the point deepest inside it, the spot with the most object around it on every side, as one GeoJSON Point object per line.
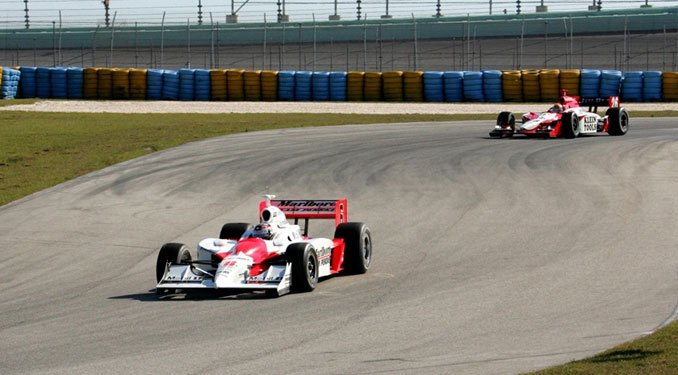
{"type": "Point", "coordinates": [491, 256]}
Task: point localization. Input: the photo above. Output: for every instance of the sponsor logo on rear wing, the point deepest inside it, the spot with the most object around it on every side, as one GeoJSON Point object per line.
{"type": "Point", "coordinates": [312, 209]}
{"type": "Point", "coordinates": [612, 102]}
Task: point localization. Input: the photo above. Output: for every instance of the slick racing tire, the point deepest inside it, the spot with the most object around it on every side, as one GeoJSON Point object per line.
{"type": "Point", "coordinates": [234, 231]}
{"type": "Point", "coordinates": [505, 118]}
{"type": "Point", "coordinates": [569, 125]}
{"type": "Point", "coordinates": [358, 246]}
{"type": "Point", "coordinates": [174, 253]}
{"type": "Point", "coordinates": [304, 267]}
{"type": "Point", "coordinates": [618, 120]}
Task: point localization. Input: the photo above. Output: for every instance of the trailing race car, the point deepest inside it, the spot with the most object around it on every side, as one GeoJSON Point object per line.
{"type": "Point", "coordinates": [274, 256]}
{"type": "Point", "coordinates": [566, 119]}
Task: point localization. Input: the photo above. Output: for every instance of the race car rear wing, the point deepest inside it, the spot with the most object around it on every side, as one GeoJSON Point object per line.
{"type": "Point", "coordinates": [311, 209]}
{"type": "Point", "coordinates": [594, 103]}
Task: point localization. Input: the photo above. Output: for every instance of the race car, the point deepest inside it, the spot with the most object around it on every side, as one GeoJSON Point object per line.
{"type": "Point", "coordinates": [273, 256]}
{"type": "Point", "coordinates": [566, 119]}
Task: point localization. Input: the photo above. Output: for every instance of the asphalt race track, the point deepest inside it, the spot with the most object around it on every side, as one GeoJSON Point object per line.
{"type": "Point", "coordinates": [491, 256]}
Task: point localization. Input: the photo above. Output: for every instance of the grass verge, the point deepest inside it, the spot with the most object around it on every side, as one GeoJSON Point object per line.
{"type": "Point", "coordinates": [40, 150]}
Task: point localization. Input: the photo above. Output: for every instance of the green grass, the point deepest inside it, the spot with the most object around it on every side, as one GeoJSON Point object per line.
{"type": "Point", "coordinates": [40, 150]}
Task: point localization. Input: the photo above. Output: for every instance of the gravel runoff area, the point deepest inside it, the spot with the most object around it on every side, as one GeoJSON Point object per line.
{"type": "Point", "coordinates": [297, 107]}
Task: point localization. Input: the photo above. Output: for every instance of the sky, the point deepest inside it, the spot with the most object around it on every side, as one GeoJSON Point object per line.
{"type": "Point", "coordinates": [91, 12]}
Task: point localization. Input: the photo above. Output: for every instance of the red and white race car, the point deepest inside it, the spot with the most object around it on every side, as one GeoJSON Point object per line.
{"type": "Point", "coordinates": [566, 119]}
{"type": "Point", "coordinates": [274, 256]}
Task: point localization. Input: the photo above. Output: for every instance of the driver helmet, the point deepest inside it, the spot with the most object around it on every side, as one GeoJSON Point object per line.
{"type": "Point", "coordinates": [557, 108]}
{"type": "Point", "coordinates": [262, 231]}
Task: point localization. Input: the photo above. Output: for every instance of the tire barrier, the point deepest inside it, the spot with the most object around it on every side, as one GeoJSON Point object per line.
{"type": "Point", "coordinates": [512, 84]}
{"type": "Point", "coordinates": [58, 83]}
{"type": "Point", "coordinates": [669, 83]}
{"type": "Point", "coordinates": [610, 83]}
{"type": "Point", "coordinates": [590, 83]}
{"type": "Point", "coordinates": [303, 86]}
{"type": "Point", "coordinates": [42, 85]}
{"type": "Point", "coordinates": [473, 86]}
{"type": "Point", "coordinates": [632, 87]}
{"type": "Point", "coordinates": [203, 86]}
{"type": "Point", "coordinates": [252, 82]}
{"type": "Point", "coordinates": [74, 80]}
{"type": "Point", "coordinates": [186, 84]}
{"type": "Point", "coordinates": [652, 86]}
{"type": "Point", "coordinates": [531, 87]}
{"type": "Point", "coordinates": [549, 84]}
{"type": "Point", "coordinates": [434, 87]}
{"type": "Point", "coordinates": [27, 82]}
{"type": "Point", "coordinates": [121, 84]}
{"type": "Point", "coordinates": [413, 86]}
{"type": "Point", "coordinates": [355, 86]}
{"type": "Point", "coordinates": [235, 85]}
{"type": "Point", "coordinates": [269, 85]}
{"type": "Point", "coordinates": [138, 84]}
{"type": "Point", "coordinates": [338, 86]}
{"type": "Point", "coordinates": [154, 84]}
{"type": "Point", "coordinates": [286, 85]}
{"type": "Point", "coordinates": [492, 86]}
{"type": "Point", "coordinates": [170, 85]}
{"type": "Point", "coordinates": [372, 86]}
{"type": "Point", "coordinates": [321, 86]}
{"type": "Point", "coordinates": [454, 86]}
{"type": "Point", "coordinates": [569, 81]}
{"type": "Point", "coordinates": [9, 82]}
{"type": "Point", "coordinates": [393, 86]}
{"type": "Point", "coordinates": [90, 86]}
{"type": "Point", "coordinates": [218, 85]}
{"type": "Point", "coordinates": [105, 83]}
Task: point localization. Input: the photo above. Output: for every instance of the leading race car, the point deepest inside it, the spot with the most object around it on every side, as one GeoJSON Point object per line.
{"type": "Point", "coordinates": [566, 119]}
{"type": "Point", "coordinates": [274, 256]}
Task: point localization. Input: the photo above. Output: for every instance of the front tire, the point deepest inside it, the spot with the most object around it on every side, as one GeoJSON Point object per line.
{"type": "Point", "coordinates": [173, 253]}
{"type": "Point", "coordinates": [358, 246]}
{"type": "Point", "coordinates": [569, 125]}
{"type": "Point", "coordinates": [234, 231]}
{"type": "Point", "coordinates": [505, 118]}
{"type": "Point", "coordinates": [304, 267]}
{"type": "Point", "coordinates": [618, 121]}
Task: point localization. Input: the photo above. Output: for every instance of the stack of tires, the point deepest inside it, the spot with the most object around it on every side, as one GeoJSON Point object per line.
{"type": "Point", "coordinates": [138, 84]}
{"type": "Point", "coordinates": [269, 85]}
{"type": "Point", "coordinates": [58, 83]}
{"type": "Point", "coordinates": [610, 83]}
{"type": "Point", "coordinates": [252, 82]}
{"type": "Point", "coordinates": [303, 86]}
{"type": "Point", "coordinates": [9, 83]}
{"type": "Point", "coordinates": [235, 84]}
{"type": "Point", "coordinates": [27, 82]}
{"type": "Point", "coordinates": [632, 87]}
{"type": "Point", "coordinates": [321, 86]}
{"type": "Point", "coordinates": [669, 82]}
{"type": "Point", "coordinates": [170, 85]}
{"type": "Point", "coordinates": [154, 84]}
{"type": "Point", "coordinates": [569, 81]}
{"type": "Point", "coordinates": [473, 87]}
{"type": "Point", "coordinates": [75, 81]}
{"type": "Point", "coordinates": [590, 83]}
{"type": "Point", "coordinates": [492, 86]}
{"type": "Point", "coordinates": [454, 86]}
{"type": "Point", "coordinates": [286, 85]}
{"type": "Point", "coordinates": [42, 86]}
{"type": "Point", "coordinates": [355, 86]}
{"type": "Point", "coordinates": [90, 85]}
{"type": "Point", "coordinates": [202, 85]}
{"type": "Point", "coordinates": [186, 84]}
{"type": "Point", "coordinates": [218, 84]}
{"type": "Point", "coordinates": [434, 87]}
{"type": "Point", "coordinates": [121, 84]}
{"type": "Point", "coordinates": [413, 86]}
{"type": "Point", "coordinates": [512, 83]}
{"type": "Point", "coordinates": [393, 86]}
{"type": "Point", "coordinates": [338, 86]}
{"type": "Point", "coordinates": [549, 84]}
{"type": "Point", "coordinates": [372, 86]}
{"type": "Point", "coordinates": [652, 86]}
{"type": "Point", "coordinates": [531, 86]}
{"type": "Point", "coordinates": [105, 83]}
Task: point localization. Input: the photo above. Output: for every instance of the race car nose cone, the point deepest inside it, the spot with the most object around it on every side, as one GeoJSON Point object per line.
{"type": "Point", "coordinates": [219, 243]}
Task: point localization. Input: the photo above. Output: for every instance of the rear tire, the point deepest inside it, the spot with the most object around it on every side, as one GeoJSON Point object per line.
{"type": "Point", "coordinates": [174, 253]}
{"type": "Point", "coordinates": [618, 121]}
{"type": "Point", "coordinates": [304, 267]}
{"type": "Point", "coordinates": [358, 246]}
{"type": "Point", "coordinates": [234, 231]}
{"type": "Point", "coordinates": [569, 125]}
